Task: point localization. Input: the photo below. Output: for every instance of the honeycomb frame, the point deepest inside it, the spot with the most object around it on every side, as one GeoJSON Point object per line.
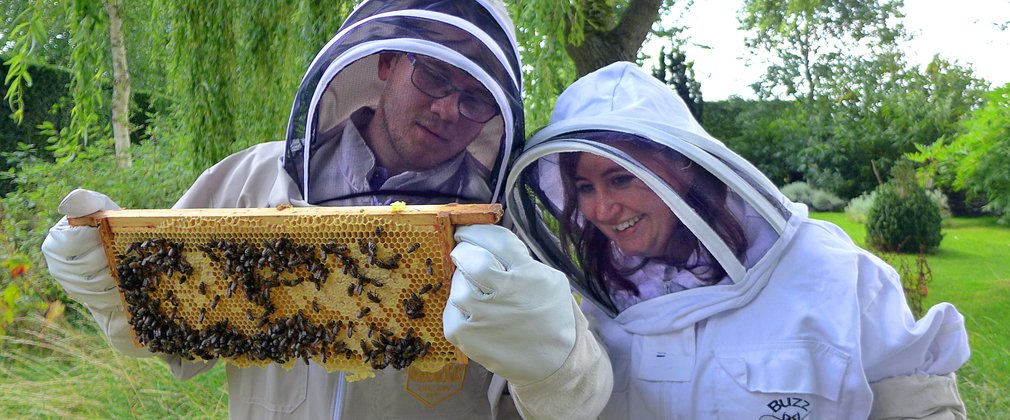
{"type": "Point", "coordinates": [351, 288]}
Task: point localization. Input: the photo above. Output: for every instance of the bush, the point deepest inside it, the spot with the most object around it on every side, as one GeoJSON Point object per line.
{"type": "Point", "coordinates": [903, 219]}
{"type": "Point", "coordinates": [819, 200]}
{"type": "Point", "coordinates": [799, 192]}
{"type": "Point", "coordinates": [159, 175]}
{"type": "Point", "coordinates": [825, 201]}
{"type": "Point", "coordinates": [858, 208]}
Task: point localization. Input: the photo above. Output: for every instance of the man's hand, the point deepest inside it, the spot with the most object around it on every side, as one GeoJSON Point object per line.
{"type": "Point", "coordinates": [75, 255]}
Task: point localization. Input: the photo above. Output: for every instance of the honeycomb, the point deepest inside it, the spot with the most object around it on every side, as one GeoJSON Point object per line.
{"type": "Point", "coordinates": [352, 289]}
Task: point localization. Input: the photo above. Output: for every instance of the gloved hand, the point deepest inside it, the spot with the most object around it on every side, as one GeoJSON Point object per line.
{"type": "Point", "coordinates": [75, 255]}
{"type": "Point", "coordinates": [508, 312]}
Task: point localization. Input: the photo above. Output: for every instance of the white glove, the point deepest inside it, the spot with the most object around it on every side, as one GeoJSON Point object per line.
{"type": "Point", "coordinates": [511, 314]}
{"type": "Point", "coordinates": [75, 256]}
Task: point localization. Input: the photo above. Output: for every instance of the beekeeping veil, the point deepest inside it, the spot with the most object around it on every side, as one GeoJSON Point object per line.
{"type": "Point", "coordinates": [475, 36]}
{"type": "Point", "coordinates": [732, 218]}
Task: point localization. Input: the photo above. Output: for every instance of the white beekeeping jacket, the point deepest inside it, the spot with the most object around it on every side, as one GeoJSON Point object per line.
{"type": "Point", "coordinates": [767, 313]}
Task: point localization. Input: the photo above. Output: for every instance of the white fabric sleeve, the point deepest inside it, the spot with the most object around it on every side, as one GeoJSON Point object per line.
{"type": "Point", "coordinates": [933, 397]}
{"type": "Point", "coordinates": [894, 343]}
{"type": "Point", "coordinates": [580, 389]}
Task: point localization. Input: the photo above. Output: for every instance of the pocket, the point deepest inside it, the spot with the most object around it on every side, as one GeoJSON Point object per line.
{"type": "Point", "coordinates": [786, 381]}
{"type": "Point", "coordinates": [270, 388]}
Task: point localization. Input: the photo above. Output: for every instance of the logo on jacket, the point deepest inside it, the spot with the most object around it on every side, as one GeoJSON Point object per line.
{"type": "Point", "coordinates": [789, 408]}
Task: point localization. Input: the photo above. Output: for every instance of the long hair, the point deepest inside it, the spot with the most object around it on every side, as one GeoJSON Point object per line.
{"type": "Point", "coordinates": [707, 195]}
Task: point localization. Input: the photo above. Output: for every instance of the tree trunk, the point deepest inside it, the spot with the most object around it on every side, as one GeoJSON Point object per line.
{"type": "Point", "coordinates": [620, 42]}
{"type": "Point", "coordinates": [120, 86]}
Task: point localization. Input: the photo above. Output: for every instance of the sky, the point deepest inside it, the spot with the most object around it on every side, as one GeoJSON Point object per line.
{"type": "Point", "coordinates": [966, 33]}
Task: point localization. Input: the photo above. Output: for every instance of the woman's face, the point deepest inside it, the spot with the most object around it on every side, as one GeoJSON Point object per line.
{"type": "Point", "coordinates": [621, 206]}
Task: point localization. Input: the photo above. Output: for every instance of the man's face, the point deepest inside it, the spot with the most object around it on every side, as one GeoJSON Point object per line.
{"type": "Point", "coordinates": [412, 130]}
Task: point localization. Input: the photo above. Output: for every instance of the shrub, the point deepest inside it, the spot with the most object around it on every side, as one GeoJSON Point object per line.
{"type": "Point", "coordinates": [825, 201]}
{"type": "Point", "coordinates": [903, 219]}
{"type": "Point", "coordinates": [858, 208]}
{"type": "Point", "coordinates": [819, 200]}
{"type": "Point", "coordinates": [799, 192]}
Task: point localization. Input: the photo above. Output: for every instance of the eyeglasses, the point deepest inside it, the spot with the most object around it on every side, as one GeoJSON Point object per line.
{"type": "Point", "coordinates": [476, 107]}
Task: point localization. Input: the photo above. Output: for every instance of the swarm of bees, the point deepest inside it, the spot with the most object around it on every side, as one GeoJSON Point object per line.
{"type": "Point", "coordinates": [153, 274]}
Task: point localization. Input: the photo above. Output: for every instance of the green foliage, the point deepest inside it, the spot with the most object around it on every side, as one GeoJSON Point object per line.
{"type": "Point", "coordinates": [858, 209]}
{"type": "Point", "coordinates": [799, 192]}
{"type": "Point", "coordinates": [816, 199]}
{"type": "Point", "coordinates": [767, 133]}
{"type": "Point", "coordinates": [90, 70]}
{"type": "Point", "coordinates": [547, 67]}
{"type": "Point", "coordinates": [878, 110]}
{"type": "Point", "coordinates": [808, 37]}
{"type": "Point", "coordinates": [157, 178]}
{"type": "Point", "coordinates": [977, 159]}
{"type": "Point", "coordinates": [903, 218]}
{"type": "Point", "coordinates": [29, 31]}
{"type": "Point", "coordinates": [826, 201]}
{"type": "Point", "coordinates": [46, 100]}
{"type": "Point", "coordinates": [862, 106]}
{"type": "Point", "coordinates": [674, 70]}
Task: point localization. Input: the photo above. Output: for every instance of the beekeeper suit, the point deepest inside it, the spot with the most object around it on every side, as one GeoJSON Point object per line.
{"type": "Point", "coordinates": [326, 160]}
{"type": "Point", "coordinates": [799, 323]}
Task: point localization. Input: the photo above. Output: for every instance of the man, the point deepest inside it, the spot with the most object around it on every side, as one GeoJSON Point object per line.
{"type": "Point", "coordinates": [412, 100]}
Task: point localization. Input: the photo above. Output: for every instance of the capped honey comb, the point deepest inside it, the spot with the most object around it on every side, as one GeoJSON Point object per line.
{"type": "Point", "coordinates": [351, 288]}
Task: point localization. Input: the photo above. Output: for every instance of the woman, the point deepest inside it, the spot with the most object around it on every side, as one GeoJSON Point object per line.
{"type": "Point", "coordinates": [715, 296]}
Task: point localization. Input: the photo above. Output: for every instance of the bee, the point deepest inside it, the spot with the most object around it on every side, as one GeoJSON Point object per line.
{"type": "Point", "coordinates": [202, 288]}
{"type": "Point", "coordinates": [213, 303]}
{"type": "Point", "coordinates": [436, 288]}
{"type": "Point", "coordinates": [391, 263]}
{"type": "Point", "coordinates": [203, 312]}
{"type": "Point", "coordinates": [427, 266]}
{"type": "Point", "coordinates": [378, 231]}
{"type": "Point", "coordinates": [374, 297]}
{"type": "Point", "coordinates": [424, 289]}
{"type": "Point", "coordinates": [315, 305]}
{"type": "Point", "coordinates": [413, 247]}
{"type": "Point", "coordinates": [363, 312]}
{"type": "Point", "coordinates": [350, 328]}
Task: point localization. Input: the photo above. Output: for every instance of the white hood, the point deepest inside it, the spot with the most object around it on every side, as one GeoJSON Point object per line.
{"type": "Point", "coordinates": [621, 99]}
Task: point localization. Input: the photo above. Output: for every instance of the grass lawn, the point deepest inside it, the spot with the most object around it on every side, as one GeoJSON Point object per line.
{"type": "Point", "coordinates": [70, 372]}
{"type": "Point", "coordinates": [971, 269]}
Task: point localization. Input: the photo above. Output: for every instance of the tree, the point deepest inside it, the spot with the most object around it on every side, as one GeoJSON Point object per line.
{"type": "Point", "coordinates": [222, 73]}
{"type": "Point", "coordinates": [766, 133]}
{"type": "Point", "coordinates": [120, 85]}
{"type": "Point", "coordinates": [673, 69]}
{"type": "Point", "coordinates": [977, 158]}
{"type": "Point", "coordinates": [612, 31]}
{"type": "Point", "coordinates": [880, 109]}
{"type": "Point", "coordinates": [806, 38]}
